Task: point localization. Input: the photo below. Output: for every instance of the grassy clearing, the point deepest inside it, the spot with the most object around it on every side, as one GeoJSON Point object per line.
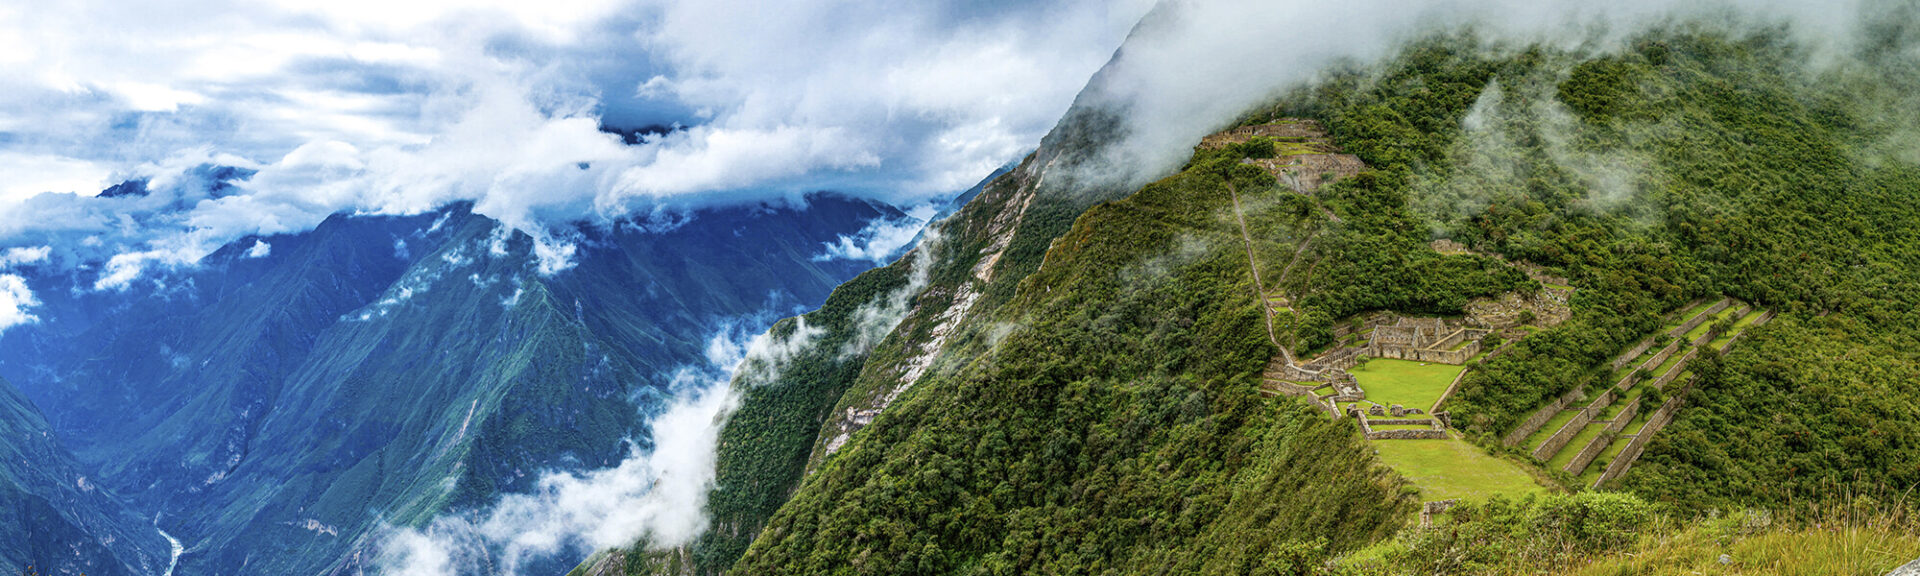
{"type": "Point", "coordinates": [1616, 534]}
{"type": "Point", "coordinates": [1452, 468]}
{"type": "Point", "coordinates": [1407, 383]}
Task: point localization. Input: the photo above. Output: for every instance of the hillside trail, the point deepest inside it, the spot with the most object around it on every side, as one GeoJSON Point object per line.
{"type": "Point", "coordinates": [1253, 263]}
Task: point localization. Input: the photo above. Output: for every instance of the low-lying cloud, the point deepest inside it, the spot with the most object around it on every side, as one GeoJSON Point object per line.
{"type": "Point", "coordinates": [655, 495]}
{"type": "Point", "coordinates": [1194, 67]}
{"type": "Point", "coordinates": [16, 300]}
{"type": "Point", "coordinates": [881, 239]}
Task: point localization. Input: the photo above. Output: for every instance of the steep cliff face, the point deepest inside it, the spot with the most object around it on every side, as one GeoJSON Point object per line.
{"type": "Point", "coordinates": [54, 518]}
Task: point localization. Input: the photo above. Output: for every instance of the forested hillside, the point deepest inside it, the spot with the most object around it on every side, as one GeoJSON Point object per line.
{"type": "Point", "coordinates": [1745, 200]}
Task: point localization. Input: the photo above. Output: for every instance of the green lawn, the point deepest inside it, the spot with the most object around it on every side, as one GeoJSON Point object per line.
{"type": "Point", "coordinates": [1452, 468]}
{"type": "Point", "coordinates": [1407, 383]}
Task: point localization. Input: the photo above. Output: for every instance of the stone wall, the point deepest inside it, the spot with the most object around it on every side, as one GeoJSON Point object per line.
{"type": "Point", "coordinates": [1651, 363]}
{"type": "Point", "coordinates": [1307, 173]}
{"type": "Point", "coordinates": [1371, 421]}
{"type": "Point", "coordinates": [1288, 388]}
{"type": "Point", "coordinates": [1407, 435]}
{"type": "Point", "coordinates": [1438, 356]}
{"type": "Point", "coordinates": [1286, 130]}
{"type": "Point", "coordinates": [1638, 444]}
{"type": "Point", "coordinates": [1541, 416]}
{"type": "Point", "coordinates": [1695, 321]}
{"type": "Point", "coordinates": [1599, 443]}
{"type": "Point", "coordinates": [1631, 354]}
{"type": "Point", "coordinates": [1572, 428]}
{"type": "Point", "coordinates": [1431, 509]}
{"type": "Point", "coordinates": [1548, 307]}
{"type": "Point", "coordinates": [1451, 388]}
{"type": "Point", "coordinates": [1675, 371]}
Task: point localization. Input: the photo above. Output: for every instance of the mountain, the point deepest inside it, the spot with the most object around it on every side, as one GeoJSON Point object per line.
{"type": "Point", "coordinates": [1625, 291]}
{"type": "Point", "coordinates": [56, 520]}
{"type": "Point", "coordinates": [278, 406]}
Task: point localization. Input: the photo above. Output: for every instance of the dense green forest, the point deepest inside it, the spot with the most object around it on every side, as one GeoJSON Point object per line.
{"type": "Point", "coordinates": [1110, 422]}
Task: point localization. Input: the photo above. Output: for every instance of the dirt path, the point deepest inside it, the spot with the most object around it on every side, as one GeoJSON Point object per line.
{"type": "Point", "coordinates": [1253, 264]}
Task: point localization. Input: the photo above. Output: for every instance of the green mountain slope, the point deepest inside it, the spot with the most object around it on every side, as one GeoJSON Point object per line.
{"type": "Point", "coordinates": [55, 520]}
{"type": "Point", "coordinates": [1091, 403]}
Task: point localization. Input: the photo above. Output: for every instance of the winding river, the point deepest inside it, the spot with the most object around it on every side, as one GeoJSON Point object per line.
{"type": "Point", "coordinates": [176, 550]}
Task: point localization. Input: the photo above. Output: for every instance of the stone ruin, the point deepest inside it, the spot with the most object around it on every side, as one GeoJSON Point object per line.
{"type": "Point", "coordinates": [1425, 340]}
{"type": "Point", "coordinates": [1295, 130]}
{"type": "Point", "coordinates": [1307, 173]}
{"type": "Point", "coordinates": [1308, 159]}
{"type": "Point", "coordinates": [1548, 307]}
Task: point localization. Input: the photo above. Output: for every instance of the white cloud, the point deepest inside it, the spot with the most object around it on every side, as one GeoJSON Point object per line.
{"type": "Point", "coordinates": [15, 301]}
{"type": "Point", "coordinates": [30, 174]}
{"type": "Point", "coordinates": [260, 249]}
{"type": "Point", "coordinates": [657, 495]}
{"type": "Point", "coordinates": [377, 107]}
{"type": "Point", "coordinates": [25, 255]}
{"type": "Point", "coordinates": [881, 239]}
{"type": "Point", "coordinates": [1200, 65]}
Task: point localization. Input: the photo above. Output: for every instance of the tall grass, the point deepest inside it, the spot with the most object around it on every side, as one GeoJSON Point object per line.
{"type": "Point", "coordinates": [1849, 535]}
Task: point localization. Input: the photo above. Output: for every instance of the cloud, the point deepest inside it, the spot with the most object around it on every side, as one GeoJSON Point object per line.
{"type": "Point", "coordinates": [366, 107]}
{"type": "Point", "coordinates": [15, 301]}
{"type": "Point", "coordinates": [873, 320]}
{"type": "Point", "coordinates": [881, 239]}
{"type": "Point", "coordinates": [1194, 67]}
{"type": "Point", "coordinates": [12, 257]}
{"type": "Point", "coordinates": [657, 495]}
{"type": "Point", "coordinates": [260, 249]}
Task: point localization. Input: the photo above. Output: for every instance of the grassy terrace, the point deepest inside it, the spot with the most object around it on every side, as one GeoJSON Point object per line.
{"type": "Point", "coordinates": [1407, 383]}
{"type": "Point", "coordinates": [1721, 342]}
{"type": "Point", "coordinates": [1452, 468]}
{"type": "Point", "coordinates": [1540, 436]}
{"type": "Point", "coordinates": [1566, 454]}
{"type": "Point", "coordinates": [1702, 329]}
{"type": "Point", "coordinates": [1614, 448]}
{"type": "Point", "coordinates": [1691, 312]}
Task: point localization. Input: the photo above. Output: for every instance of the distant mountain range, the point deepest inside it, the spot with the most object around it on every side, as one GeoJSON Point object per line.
{"type": "Point", "coordinates": [276, 405]}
